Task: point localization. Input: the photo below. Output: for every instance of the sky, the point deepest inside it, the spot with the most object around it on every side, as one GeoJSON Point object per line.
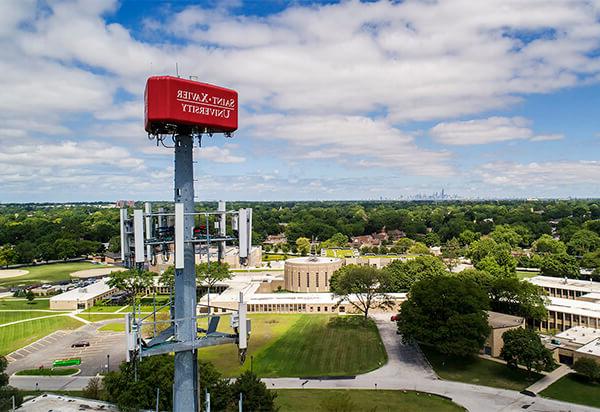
{"type": "Point", "coordinates": [338, 100]}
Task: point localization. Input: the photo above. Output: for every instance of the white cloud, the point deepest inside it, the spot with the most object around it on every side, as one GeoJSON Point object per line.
{"type": "Point", "coordinates": [484, 131]}
{"type": "Point", "coordinates": [549, 175]}
{"type": "Point", "coordinates": [219, 155]}
{"type": "Point", "coordinates": [352, 140]}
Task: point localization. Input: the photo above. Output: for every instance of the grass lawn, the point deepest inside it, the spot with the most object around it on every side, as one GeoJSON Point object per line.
{"type": "Point", "coordinates": [16, 336]}
{"type": "Point", "coordinates": [309, 400]}
{"type": "Point", "coordinates": [113, 327]}
{"type": "Point", "coordinates": [339, 253]}
{"type": "Point", "coordinates": [47, 273]}
{"type": "Point", "coordinates": [302, 345]}
{"type": "Point", "coordinates": [100, 308]}
{"type": "Point", "coordinates": [479, 371]}
{"type": "Point", "coordinates": [273, 257]}
{"type": "Point", "coordinates": [48, 372]}
{"type": "Point", "coordinates": [18, 304]}
{"type": "Point", "coordinates": [574, 388]}
{"type": "Point", "coordinates": [525, 275]}
{"type": "Point", "coordinates": [7, 317]}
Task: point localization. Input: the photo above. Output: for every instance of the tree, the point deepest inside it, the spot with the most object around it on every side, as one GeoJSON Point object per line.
{"type": "Point", "coordinates": [481, 248]}
{"type": "Point", "coordinates": [29, 296]}
{"type": "Point", "coordinates": [364, 287]}
{"type": "Point", "coordinates": [114, 244]}
{"type": "Point", "coordinates": [589, 368]}
{"type": "Point", "coordinates": [591, 260]}
{"type": "Point", "coordinates": [517, 297]}
{"type": "Point", "coordinates": [167, 277]}
{"type": "Point", "coordinates": [506, 234]}
{"type": "Point", "coordinates": [403, 244]}
{"type": "Point", "coordinates": [547, 244]}
{"type": "Point", "coordinates": [418, 248]}
{"type": "Point", "coordinates": [211, 274]}
{"type": "Point", "coordinates": [559, 265]}
{"type": "Point", "coordinates": [582, 242]}
{"type": "Point", "coordinates": [133, 281]}
{"type": "Point", "coordinates": [256, 396]}
{"type": "Point", "coordinates": [210, 380]}
{"type": "Point", "coordinates": [8, 256]}
{"type": "Point", "coordinates": [524, 347]}
{"type": "Point", "coordinates": [432, 239]}
{"type": "Point", "coordinates": [468, 236]}
{"type": "Point", "coordinates": [337, 240]}
{"type": "Point", "coordinates": [404, 274]}
{"type": "Point", "coordinates": [7, 392]}
{"type": "Point", "coordinates": [447, 313]}
{"type": "Point", "coordinates": [93, 389]}
{"type": "Point", "coordinates": [129, 393]}
{"type": "Point", "coordinates": [498, 262]}
{"type": "Point", "coordinates": [303, 245]}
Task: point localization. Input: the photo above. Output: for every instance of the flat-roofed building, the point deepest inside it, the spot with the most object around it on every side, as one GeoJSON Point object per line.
{"type": "Point", "coordinates": [575, 343]}
{"type": "Point", "coordinates": [564, 314]}
{"type": "Point", "coordinates": [83, 298]}
{"type": "Point", "coordinates": [500, 323]}
{"type": "Point", "coordinates": [565, 288]}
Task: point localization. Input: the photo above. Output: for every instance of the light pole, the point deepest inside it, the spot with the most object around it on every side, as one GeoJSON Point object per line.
{"type": "Point", "coordinates": [108, 363]}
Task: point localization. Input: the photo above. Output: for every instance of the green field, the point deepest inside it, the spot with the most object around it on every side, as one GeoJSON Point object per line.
{"type": "Point", "coordinates": [574, 388]}
{"type": "Point", "coordinates": [106, 309]}
{"type": "Point", "coordinates": [273, 257]}
{"type": "Point", "coordinates": [525, 275]}
{"type": "Point", "coordinates": [479, 371]}
{"type": "Point", "coordinates": [339, 253]}
{"type": "Point", "coordinates": [48, 273]}
{"type": "Point", "coordinates": [7, 317]}
{"type": "Point", "coordinates": [23, 304]}
{"type": "Point", "coordinates": [48, 372]}
{"type": "Point", "coordinates": [16, 336]}
{"type": "Point", "coordinates": [310, 400]}
{"type": "Point", "coordinates": [303, 345]}
{"type": "Point", "coordinates": [113, 327]}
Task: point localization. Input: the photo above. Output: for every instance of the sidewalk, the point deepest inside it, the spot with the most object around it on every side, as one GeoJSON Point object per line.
{"type": "Point", "coordinates": [549, 379]}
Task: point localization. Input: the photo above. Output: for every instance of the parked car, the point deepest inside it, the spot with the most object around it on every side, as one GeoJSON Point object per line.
{"type": "Point", "coordinates": [80, 344]}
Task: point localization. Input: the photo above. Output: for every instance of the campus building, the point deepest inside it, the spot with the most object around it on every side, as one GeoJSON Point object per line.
{"type": "Point", "coordinates": [500, 323]}
{"type": "Point", "coordinates": [570, 303]}
{"type": "Point", "coordinates": [575, 343]}
{"type": "Point", "coordinates": [83, 298]}
{"type": "Point", "coordinates": [309, 274]}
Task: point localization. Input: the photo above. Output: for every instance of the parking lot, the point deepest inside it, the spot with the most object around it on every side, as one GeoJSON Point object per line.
{"type": "Point", "coordinates": [103, 346]}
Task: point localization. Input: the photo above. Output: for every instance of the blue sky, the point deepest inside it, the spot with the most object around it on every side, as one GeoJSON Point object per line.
{"type": "Point", "coordinates": [338, 100]}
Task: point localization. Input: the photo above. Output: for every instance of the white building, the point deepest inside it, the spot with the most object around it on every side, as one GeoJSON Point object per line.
{"type": "Point", "coordinates": [83, 298]}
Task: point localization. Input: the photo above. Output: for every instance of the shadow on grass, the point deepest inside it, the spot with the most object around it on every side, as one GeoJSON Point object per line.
{"type": "Point", "coordinates": [350, 322]}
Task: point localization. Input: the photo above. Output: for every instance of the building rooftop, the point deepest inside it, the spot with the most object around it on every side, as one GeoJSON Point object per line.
{"type": "Point", "coordinates": [85, 293]}
{"type": "Point", "coordinates": [498, 320]}
{"type": "Point", "coordinates": [51, 402]}
{"type": "Point", "coordinates": [592, 348]}
{"type": "Point", "coordinates": [575, 307]}
{"type": "Point", "coordinates": [562, 283]}
{"type": "Point", "coordinates": [314, 260]}
{"type": "Point", "coordinates": [580, 334]}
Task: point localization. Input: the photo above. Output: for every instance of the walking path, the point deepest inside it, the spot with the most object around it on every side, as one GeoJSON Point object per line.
{"type": "Point", "coordinates": [549, 379]}
{"type": "Point", "coordinates": [32, 319]}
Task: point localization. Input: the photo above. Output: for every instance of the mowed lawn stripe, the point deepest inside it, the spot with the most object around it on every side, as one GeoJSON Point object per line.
{"type": "Point", "coordinates": [7, 317]}
{"type": "Point", "coordinates": [16, 336]}
{"type": "Point", "coordinates": [323, 345]}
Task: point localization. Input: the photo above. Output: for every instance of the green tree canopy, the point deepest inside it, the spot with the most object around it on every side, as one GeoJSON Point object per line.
{"type": "Point", "coordinates": [559, 265]}
{"type": "Point", "coordinates": [303, 245]}
{"type": "Point", "coordinates": [402, 275]}
{"type": "Point", "coordinates": [364, 287]}
{"type": "Point", "coordinates": [337, 240]}
{"type": "Point", "coordinates": [524, 347]}
{"type": "Point", "coordinates": [212, 273]}
{"type": "Point", "coordinates": [468, 236]}
{"type": "Point", "coordinates": [547, 244]}
{"type": "Point", "coordinates": [419, 248]}
{"type": "Point", "coordinates": [582, 242]}
{"type": "Point", "coordinates": [7, 392]}
{"type": "Point", "coordinates": [447, 313]}
{"type": "Point", "coordinates": [133, 281]}
{"type": "Point", "coordinates": [506, 234]}
{"type": "Point", "coordinates": [589, 368]}
{"type": "Point", "coordinates": [517, 297]}
{"type": "Point", "coordinates": [256, 396]}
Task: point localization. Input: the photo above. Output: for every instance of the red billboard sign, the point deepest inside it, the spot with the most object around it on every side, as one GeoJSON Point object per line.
{"type": "Point", "coordinates": [173, 104]}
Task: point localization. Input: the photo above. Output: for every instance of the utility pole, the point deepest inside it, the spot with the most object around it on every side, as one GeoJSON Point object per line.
{"type": "Point", "coordinates": [185, 397]}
